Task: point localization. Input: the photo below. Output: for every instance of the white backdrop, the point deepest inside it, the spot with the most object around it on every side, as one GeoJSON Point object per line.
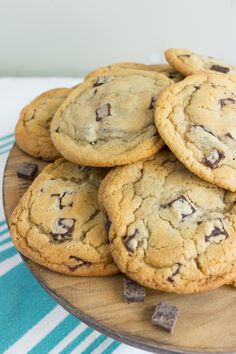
{"type": "Point", "coordinates": [70, 37]}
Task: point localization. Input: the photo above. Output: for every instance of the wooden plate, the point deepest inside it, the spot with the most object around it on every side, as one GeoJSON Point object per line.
{"type": "Point", "coordinates": [207, 321]}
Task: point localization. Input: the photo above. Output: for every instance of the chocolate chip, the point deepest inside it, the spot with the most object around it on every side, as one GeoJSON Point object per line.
{"type": "Point", "coordinates": [103, 112]}
{"type": "Point", "coordinates": [64, 228]}
{"type": "Point", "coordinates": [27, 170]}
{"type": "Point", "coordinates": [80, 261]}
{"type": "Point", "coordinates": [107, 222]}
{"type": "Point", "coordinates": [224, 101]}
{"type": "Point", "coordinates": [217, 230]}
{"type": "Point", "coordinates": [60, 199]}
{"type": "Point", "coordinates": [214, 158]}
{"type": "Point", "coordinates": [131, 242]}
{"type": "Point", "coordinates": [100, 81]}
{"type": "Point", "coordinates": [93, 142]}
{"type": "Point", "coordinates": [153, 102]}
{"type": "Point", "coordinates": [57, 130]}
{"type": "Point", "coordinates": [133, 292]}
{"type": "Point", "coordinates": [170, 278]}
{"type": "Point", "coordinates": [230, 136]}
{"type": "Point", "coordinates": [203, 127]}
{"type": "Point", "coordinates": [183, 203]}
{"type": "Point", "coordinates": [197, 87]}
{"type": "Point", "coordinates": [219, 68]}
{"type": "Point", "coordinates": [184, 55]}
{"type": "Point", "coordinates": [165, 316]}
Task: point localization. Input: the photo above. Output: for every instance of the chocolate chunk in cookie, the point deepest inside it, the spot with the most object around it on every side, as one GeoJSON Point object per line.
{"type": "Point", "coordinates": [214, 158]}
{"type": "Point", "coordinates": [80, 263]}
{"type": "Point", "coordinates": [63, 229]}
{"type": "Point", "coordinates": [132, 241]}
{"type": "Point", "coordinates": [220, 69]}
{"type": "Point", "coordinates": [217, 233]}
{"type": "Point", "coordinates": [103, 112]}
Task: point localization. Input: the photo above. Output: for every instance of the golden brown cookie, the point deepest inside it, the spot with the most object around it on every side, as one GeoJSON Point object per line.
{"type": "Point", "coordinates": [188, 63]}
{"type": "Point", "coordinates": [59, 224]}
{"type": "Point", "coordinates": [32, 132]}
{"type": "Point", "coordinates": [170, 230]}
{"type": "Point", "coordinates": [196, 119]}
{"type": "Point", "coordinates": [109, 120]}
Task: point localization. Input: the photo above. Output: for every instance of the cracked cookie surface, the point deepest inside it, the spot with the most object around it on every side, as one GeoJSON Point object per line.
{"type": "Point", "coordinates": [170, 230]}
{"type": "Point", "coordinates": [32, 131]}
{"type": "Point", "coordinates": [164, 69]}
{"type": "Point", "coordinates": [188, 63]}
{"type": "Point", "coordinates": [59, 224]}
{"type": "Point", "coordinates": [197, 120]}
{"type": "Point", "coordinates": [109, 120]}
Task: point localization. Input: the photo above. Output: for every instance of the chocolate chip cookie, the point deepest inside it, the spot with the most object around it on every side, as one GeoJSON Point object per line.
{"type": "Point", "coordinates": [188, 63]}
{"type": "Point", "coordinates": [109, 120]}
{"type": "Point", "coordinates": [59, 224]}
{"type": "Point", "coordinates": [197, 119]}
{"type": "Point", "coordinates": [32, 132]}
{"type": "Point", "coordinates": [165, 69]}
{"type": "Point", "coordinates": [170, 230]}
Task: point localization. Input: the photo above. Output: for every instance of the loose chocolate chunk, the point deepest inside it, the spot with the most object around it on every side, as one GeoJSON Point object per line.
{"type": "Point", "coordinates": [133, 292]}
{"type": "Point", "coordinates": [27, 170]}
{"type": "Point", "coordinates": [153, 102]}
{"type": "Point", "coordinates": [80, 261]}
{"type": "Point", "coordinates": [218, 229]}
{"type": "Point", "coordinates": [219, 68]}
{"type": "Point", "coordinates": [131, 243]}
{"type": "Point", "coordinates": [100, 81]}
{"type": "Point", "coordinates": [214, 158]}
{"type": "Point", "coordinates": [184, 55]}
{"type": "Point", "coordinates": [170, 278]}
{"type": "Point", "coordinates": [60, 198]}
{"type": "Point", "coordinates": [203, 127]}
{"type": "Point", "coordinates": [103, 112]}
{"type": "Point", "coordinates": [224, 101]}
{"type": "Point", "coordinates": [181, 202]}
{"type": "Point", "coordinates": [63, 229]}
{"type": "Point", "coordinates": [107, 222]}
{"type": "Point", "coordinates": [165, 316]}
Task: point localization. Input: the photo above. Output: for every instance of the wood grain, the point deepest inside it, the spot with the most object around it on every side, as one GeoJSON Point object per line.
{"type": "Point", "coordinates": [207, 321]}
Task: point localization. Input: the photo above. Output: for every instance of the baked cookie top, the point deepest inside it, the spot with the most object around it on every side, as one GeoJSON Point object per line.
{"type": "Point", "coordinates": [188, 63]}
{"type": "Point", "coordinates": [32, 131]}
{"type": "Point", "coordinates": [197, 119]}
{"type": "Point", "coordinates": [165, 69]}
{"type": "Point", "coordinates": [59, 224]}
{"type": "Point", "coordinates": [109, 120]}
{"type": "Point", "coordinates": [170, 230]}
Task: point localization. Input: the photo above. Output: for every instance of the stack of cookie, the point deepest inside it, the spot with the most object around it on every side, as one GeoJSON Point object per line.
{"type": "Point", "coordinates": [167, 219]}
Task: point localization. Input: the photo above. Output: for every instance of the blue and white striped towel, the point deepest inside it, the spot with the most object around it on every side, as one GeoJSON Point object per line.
{"type": "Point", "coordinates": [30, 320]}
